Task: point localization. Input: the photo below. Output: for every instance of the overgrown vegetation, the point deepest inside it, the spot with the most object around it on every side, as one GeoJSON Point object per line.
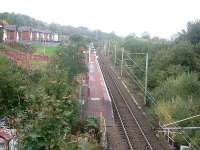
{"type": "Point", "coordinates": [43, 105]}
{"type": "Point", "coordinates": [1, 35]}
{"type": "Point", "coordinates": [12, 88]}
{"type": "Point", "coordinates": [173, 77]}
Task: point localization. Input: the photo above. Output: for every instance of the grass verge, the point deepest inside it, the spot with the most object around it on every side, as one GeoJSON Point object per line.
{"type": "Point", "coordinates": [47, 49]}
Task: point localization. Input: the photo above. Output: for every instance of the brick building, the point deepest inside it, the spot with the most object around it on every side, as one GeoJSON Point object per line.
{"type": "Point", "coordinates": [25, 34]}
{"type": "Point", "coordinates": [10, 33]}
{"type": "Point", "coordinates": [41, 36]}
{"type": "Point", "coordinates": [48, 36]}
{"type": "Point", "coordinates": [35, 34]}
{"type": "Point", "coordinates": [51, 37]}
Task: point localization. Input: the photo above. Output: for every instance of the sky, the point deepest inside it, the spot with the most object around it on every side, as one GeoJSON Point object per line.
{"type": "Point", "coordinates": [162, 18]}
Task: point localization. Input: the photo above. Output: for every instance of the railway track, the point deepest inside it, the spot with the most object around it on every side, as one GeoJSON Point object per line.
{"type": "Point", "coordinates": [116, 133]}
{"type": "Point", "coordinates": [137, 134]}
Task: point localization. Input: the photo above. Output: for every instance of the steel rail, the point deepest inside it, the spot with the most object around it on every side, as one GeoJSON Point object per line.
{"type": "Point", "coordinates": [129, 109]}
{"type": "Point", "coordinates": [118, 114]}
{"type": "Point", "coordinates": [139, 126]}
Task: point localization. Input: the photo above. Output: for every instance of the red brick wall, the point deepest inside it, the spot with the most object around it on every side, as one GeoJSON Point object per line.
{"type": "Point", "coordinates": [25, 35]}
{"type": "Point", "coordinates": [11, 36]}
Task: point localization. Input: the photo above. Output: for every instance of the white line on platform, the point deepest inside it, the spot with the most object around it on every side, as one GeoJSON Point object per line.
{"type": "Point", "coordinates": [103, 81]}
{"type": "Point", "coordinates": [95, 98]}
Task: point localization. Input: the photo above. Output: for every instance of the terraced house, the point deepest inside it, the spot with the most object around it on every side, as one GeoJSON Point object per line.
{"type": "Point", "coordinates": [10, 33]}
{"type": "Point", "coordinates": [25, 34]}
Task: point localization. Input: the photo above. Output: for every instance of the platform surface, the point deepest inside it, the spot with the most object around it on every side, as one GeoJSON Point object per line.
{"type": "Point", "coordinates": [98, 101]}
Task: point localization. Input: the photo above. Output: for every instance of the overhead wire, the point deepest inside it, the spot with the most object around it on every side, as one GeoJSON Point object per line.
{"type": "Point", "coordinates": [140, 85]}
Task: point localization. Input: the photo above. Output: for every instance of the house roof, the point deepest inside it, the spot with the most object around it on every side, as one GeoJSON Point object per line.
{"type": "Point", "coordinates": [41, 31]}
{"type": "Point", "coordinates": [10, 27]}
{"type": "Point", "coordinates": [35, 30]}
{"type": "Point", "coordinates": [24, 28]}
{"type": "Point", "coordinates": [47, 31]}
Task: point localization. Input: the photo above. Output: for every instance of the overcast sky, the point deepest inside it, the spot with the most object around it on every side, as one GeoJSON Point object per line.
{"type": "Point", "coordinates": [161, 18]}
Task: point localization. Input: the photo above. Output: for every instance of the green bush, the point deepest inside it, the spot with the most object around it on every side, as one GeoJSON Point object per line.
{"type": "Point", "coordinates": [178, 109]}
{"type": "Point", "coordinates": [184, 85]}
{"type": "Point", "coordinates": [1, 35]}
{"type": "Point", "coordinates": [12, 88]}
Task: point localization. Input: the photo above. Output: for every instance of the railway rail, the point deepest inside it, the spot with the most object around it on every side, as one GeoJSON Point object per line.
{"type": "Point", "coordinates": [136, 131]}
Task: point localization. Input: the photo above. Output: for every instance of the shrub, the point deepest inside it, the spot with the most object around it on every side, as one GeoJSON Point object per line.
{"type": "Point", "coordinates": [12, 88]}
{"type": "Point", "coordinates": [184, 85]}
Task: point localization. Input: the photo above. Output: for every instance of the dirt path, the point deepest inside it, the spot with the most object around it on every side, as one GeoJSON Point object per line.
{"type": "Point", "coordinates": [23, 59]}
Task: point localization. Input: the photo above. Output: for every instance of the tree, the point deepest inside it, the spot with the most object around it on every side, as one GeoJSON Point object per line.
{"type": "Point", "coordinates": [49, 122]}
{"type": "Point", "coordinates": [193, 32]}
{"type": "Point", "coordinates": [145, 35]}
{"type": "Point", "coordinates": [183, 53]}
{"type": "Point", "coordinates": [132, 35]}
{"type": "Point", "coordinates": [71, 58]}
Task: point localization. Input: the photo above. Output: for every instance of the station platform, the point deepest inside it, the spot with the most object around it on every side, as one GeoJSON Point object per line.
{"type": "Point", "coordinates": [98, 102]}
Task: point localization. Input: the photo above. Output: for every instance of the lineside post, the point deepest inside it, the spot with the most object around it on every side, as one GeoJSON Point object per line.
{"type": "Point", "coordinates": [108, 48]}
{"type": "Point", "coordinates": [89, 53]}
{"type": "Point", "coordinates": [122, 61]}
{"type": "Point", "coordinates": [115, 61]}
{"type": "Point", "coordinates": [146, 79]}
{"type": "Point", "coordinates": [104, 48]}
